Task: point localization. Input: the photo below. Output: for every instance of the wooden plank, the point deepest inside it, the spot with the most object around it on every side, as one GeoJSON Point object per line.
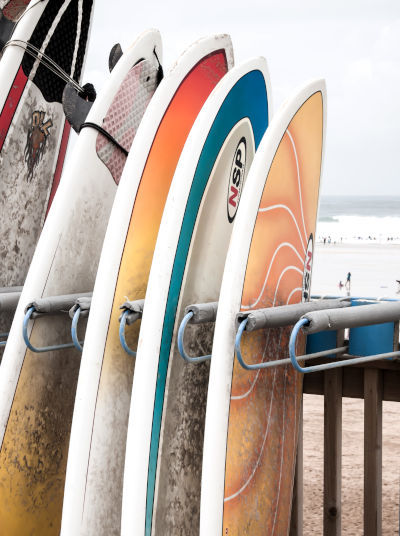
{"type": "Point", "coordinates": [296, 520]}
{"type": "Point", "coordinates": [353, 382]}
{"type": "Point", "coordinates": [313, 384]}
{"type": "Point", "coordinates": [332, 451]}
{"type": "Point", "coordinates": [392, 364]}
{"type": "Point", "coordinates": [391, 386]}
{"type": "Point", "coordinates": [373, 389]}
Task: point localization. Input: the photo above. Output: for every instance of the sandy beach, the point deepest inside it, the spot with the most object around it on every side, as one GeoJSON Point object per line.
{"type": "Point", "coordinates": [374, 269]}
{"type": "Point", "coordinates": [352, 466]}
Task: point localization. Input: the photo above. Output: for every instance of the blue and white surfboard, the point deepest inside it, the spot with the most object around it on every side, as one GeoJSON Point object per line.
{"type": "Point", "coordinates": [165, 435]}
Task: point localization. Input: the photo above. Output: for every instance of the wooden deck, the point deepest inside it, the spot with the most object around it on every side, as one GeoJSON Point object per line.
{"type": "Point", "coordinates": [373, 382]}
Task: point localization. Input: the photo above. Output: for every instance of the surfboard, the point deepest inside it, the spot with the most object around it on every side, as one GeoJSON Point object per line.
{"type": "Point", "coordinates": [166, 422]}
{"type": "Point", "coordinates": [252, 416]}
{"type": "Point", "coordinates": [38, 389]}
{"type": "Point", "coordinates": [93, 495]}
{"type": "Point", "coordinates": [10, 13]}
{"type": "Point", "coordinates": [33, 132]}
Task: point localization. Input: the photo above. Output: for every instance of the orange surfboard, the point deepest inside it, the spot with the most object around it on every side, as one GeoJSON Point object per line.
{"type": "Point", "coordinates": [252, 416]}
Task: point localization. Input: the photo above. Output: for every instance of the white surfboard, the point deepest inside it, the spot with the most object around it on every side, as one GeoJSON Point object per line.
{"type": "Point", "coordinates": [38, 389]}
{"type": "Point", "coordinates": [93, 495]}
{"type": "Point", "coordinates": [252, 416]}
{"type": "Point", "coordinates": [33, 132]}
{"type": "Point", "coordinates": [166, 422]}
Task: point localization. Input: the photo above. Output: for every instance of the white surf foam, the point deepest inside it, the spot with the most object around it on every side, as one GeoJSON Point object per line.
{"type": "Point", "coordinates": [356, 229]}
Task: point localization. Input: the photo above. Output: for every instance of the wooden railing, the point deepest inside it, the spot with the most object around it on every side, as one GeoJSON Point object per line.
{"type": "Point", "coordinates": [373, 382]}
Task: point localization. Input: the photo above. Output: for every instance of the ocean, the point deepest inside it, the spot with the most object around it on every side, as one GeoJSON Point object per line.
{"type": "Point", "coordinates": [360, 235]}
{"type": "Point", "coordinates": [359, 219]}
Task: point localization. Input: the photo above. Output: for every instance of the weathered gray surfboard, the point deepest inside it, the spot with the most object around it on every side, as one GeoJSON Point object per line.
{"type": "Point", "coordinates": [38, 389]}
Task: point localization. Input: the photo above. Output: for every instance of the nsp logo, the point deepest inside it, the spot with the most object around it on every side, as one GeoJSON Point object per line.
{"type": "Point", "coordinates": [306, 287]}
{"type": "Point", "coordinates": [236, 179]}
{"type": "Point", "coordinates": [36, 141]}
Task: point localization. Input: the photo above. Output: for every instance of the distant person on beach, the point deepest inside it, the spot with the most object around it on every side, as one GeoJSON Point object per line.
{"type": "Point", "coordinates": [398, 286]}
{"type": "Point", "coordinates": [340, 285]}
{"type": "Point", "coordinates": [348, 278]}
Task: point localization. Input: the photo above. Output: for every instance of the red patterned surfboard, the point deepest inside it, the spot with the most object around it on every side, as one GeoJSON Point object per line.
{"type": "Point", "coordinates": [33, 132]}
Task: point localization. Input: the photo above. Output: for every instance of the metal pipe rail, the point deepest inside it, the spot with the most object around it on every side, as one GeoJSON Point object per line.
{"type": "Point", "coordinates": [271, 364]}
{"type": "Point", "coordinates": [286, 315]}
{"type": "Point", "coordinates": [332, 320]}
{"type": "Point", "coordinates": [270, 317]}
{"type": "Point", "coordinates": [282, 316]}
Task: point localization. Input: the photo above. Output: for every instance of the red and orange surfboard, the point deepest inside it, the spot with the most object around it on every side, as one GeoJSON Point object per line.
{"type": "Point", "coordinates": [99, 428]}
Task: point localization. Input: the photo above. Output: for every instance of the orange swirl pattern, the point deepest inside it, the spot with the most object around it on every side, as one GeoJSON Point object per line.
{"type": "Point", "coordinates": [264, 408]}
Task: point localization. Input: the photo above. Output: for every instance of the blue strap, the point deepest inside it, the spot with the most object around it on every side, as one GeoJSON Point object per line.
{"type": "Point", "coordinates": [122, 324]}
{"type": "Point", "coordinates": [181, 348]}
{"type": "Point", "coordinates": [74, 328]}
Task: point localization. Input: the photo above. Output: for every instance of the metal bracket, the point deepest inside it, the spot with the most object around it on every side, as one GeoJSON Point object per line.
{"type": "Point", "coordinates": [326, 366]}
{"type": "Point", "coordinates": [181, 348]}
{"type": "Point", "coordinates": [132, 311]}
{"type": "Point", "coordinates": [271, 364]}
{"type": "Point", "coordinates": [25, 335]}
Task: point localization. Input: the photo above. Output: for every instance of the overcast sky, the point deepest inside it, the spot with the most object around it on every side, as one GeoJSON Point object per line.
{"type": "Point", "coordinates": [353, 44]}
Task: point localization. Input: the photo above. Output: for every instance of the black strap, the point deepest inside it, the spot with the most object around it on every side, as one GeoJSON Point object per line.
{"type": "Point", "coordinates": [6, 29]}
{"type": "Point", "coordinates": [106, 135]}
{"type": "Point", "coordinates": [160, 72]}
